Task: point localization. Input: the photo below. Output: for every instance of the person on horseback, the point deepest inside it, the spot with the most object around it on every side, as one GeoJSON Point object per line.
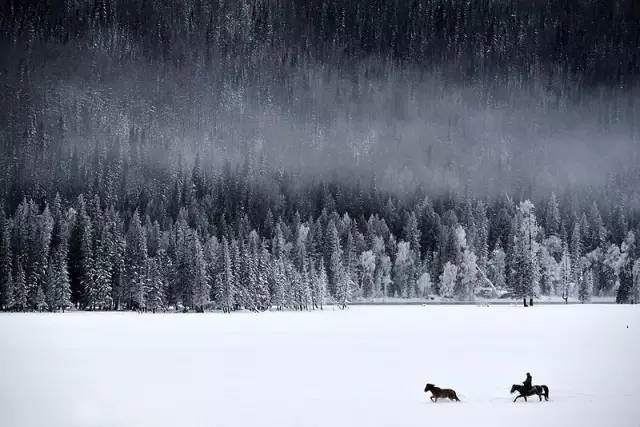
{"type": "Point", "coordinates": [528, 383]}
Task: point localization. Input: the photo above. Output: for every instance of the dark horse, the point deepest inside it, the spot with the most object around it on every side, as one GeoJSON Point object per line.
{"type": "Point", "coordinates": [437, 393]}
{"type": "Point", "coordinates": [540, 390]}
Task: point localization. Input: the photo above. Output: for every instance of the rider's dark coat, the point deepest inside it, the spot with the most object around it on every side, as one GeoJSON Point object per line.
{"type": "Point", "coordinates": [527, 383]}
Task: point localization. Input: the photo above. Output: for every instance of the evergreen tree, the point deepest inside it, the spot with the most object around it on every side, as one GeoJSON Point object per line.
{"type": "Point", "coordinates": [136, 258]}
{"type": "Point", "coordinates": [226, 290]}
{"type": "Point", "coordinates": [333, 255]}
{"type": "Point", "coordinates": [319, 287]}
{"type": "Point", "coordinates": [586, 287]}
{"type": "Point", "coordinates": [6, 277]}
{"type": "Point", "coordinates": [552, 216]}
{"type": "Point", "coordinates": [201, 286]}
{"type": "Point", "coordinates": [20, 289]}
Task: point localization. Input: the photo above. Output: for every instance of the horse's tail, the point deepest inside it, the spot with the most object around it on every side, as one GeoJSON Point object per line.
{"type": "Point", "coordinates": [546, 392]}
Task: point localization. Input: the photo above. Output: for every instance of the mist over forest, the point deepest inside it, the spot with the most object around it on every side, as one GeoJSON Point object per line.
{"type": "Point", "coordinates": [250, 153]}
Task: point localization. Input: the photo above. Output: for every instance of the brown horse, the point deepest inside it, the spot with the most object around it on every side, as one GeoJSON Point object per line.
{"type": "Point", "coordinates": [437, 393]}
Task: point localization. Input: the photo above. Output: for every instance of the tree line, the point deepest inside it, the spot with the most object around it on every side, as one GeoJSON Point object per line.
{"type": "Point", "coordinates": [89, 254]}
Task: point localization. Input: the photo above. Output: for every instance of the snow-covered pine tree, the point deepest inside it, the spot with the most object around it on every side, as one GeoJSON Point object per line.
{"type": "Point", "coordinates": [333, 256]}
{"type": "Point", "coordinates": [566, 280]}
{"type": "Point", "coordinates": [201, 287]}
{"type": "Point", "coordinates": [20, 289]}
{"type": "Point", "coordinates": [497, 267]}
{"type": "Point", "coordinates": [62, 283]}
{"type": "Point", "coordinates": [367, 270]}
{"type": "Point", "coordinates": [264, 273]}
{"type": "Point", "coordinates": [6, 276]}
{"type": "Point", "coordinates": [576, 253]}
{"type": "Point", "coordinates": [226, 290]}
{"type": "Point", "coordinates": [552, 216]}
{"type": "Point", "coordinates": [279, 283]}
{"type": "Point", "coordinates": [586, 286]}
{"type": "Point", "coordinates": [319, 287]}
{"type": "Point", "coordinates": [344, 290]}
{"type": "Point", "coordinates": [158, 279]}
{"type": "Point", "coordinates": [136, 258]}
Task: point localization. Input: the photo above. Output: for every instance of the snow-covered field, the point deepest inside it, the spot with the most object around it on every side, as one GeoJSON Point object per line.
{"type": "Point", "coordinates": [366, 366]}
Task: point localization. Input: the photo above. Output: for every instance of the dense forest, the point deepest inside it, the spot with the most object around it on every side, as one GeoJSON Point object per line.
{"type": "Point", "coordinates": [265, 153]}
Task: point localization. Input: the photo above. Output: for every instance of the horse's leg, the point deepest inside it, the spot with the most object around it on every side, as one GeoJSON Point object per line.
{"type": "Point", "coordinates": [517, 397]}
{"type": "Point", "coordinates": [525, 398]}
{"type": "Point", "coordinates": [432, 399]}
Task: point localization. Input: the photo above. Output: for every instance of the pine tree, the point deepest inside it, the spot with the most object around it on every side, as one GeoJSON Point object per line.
{"type": "Point", "coordinates": [136, 258]}
{"type": "Point", "coordinates": [280, 284]}
{"type": "Point", "coordinates": [6, 278]}
{"type": "Point", "coordinates": [333, 255]}
{"type": "Point", "coordinates": [20, 289]}
{"type": "Point", "coordinates": [154, 288]}
{"type": "Point", "coordinates": [552, 216]}
{"type": "Point", "coordinates": [411, 233]}
{"type": "Point", "coordinates": [367, 269]}
{"type": "Point", "coordinates": [566, 278]}
{"type": "Point", "coordinates": [201, 286]}
{"type": "Point", "coordinates": [497, 267]}
{"type": "Point", "coordinates": [264, 271]}
{"type": "Point", "coordinates": [226, 290]}
{"type": "Point", "coordinates": [319, 287]}
{"type": "Point", "coordinates": [344, 290]}
{"type": "Point", "coordinates": [62, 284]}
{"type": "Point", "coordinates": [586, 287]}
{"type": "Point", "coordinates": [576, 252]}
{"type": "Point", "coordinates": [80, 253]}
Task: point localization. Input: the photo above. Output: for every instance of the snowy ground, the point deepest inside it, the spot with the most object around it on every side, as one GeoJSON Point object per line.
{"type": "Point", "coordinates": [366, 366]}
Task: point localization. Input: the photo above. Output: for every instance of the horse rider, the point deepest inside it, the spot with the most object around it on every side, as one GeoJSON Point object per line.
{"type": "Point", "coordinates": [527, 383]}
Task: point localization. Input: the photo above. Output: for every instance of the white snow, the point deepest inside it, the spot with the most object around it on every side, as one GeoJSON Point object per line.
{"type": "Point", "coordinates": [366, 366]}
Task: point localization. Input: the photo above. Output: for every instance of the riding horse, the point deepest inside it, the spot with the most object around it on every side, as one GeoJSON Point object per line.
{"type": "Point", "coordinates": [540, 390]}
{"type": "Point", "coordinates": [437, 393]}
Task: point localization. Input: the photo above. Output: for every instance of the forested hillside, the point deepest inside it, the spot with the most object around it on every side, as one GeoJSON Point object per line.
{"type": "Point", "coordinates": [258, 153]}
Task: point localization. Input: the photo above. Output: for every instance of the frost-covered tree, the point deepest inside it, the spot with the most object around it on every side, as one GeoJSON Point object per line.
{"type": "Point", "coordinates": [226, 288]}
{"type": "Point", "coordinates": [448, 280]}
{"type": "Point", "coordinates": [333, 254]}
{"type": "Point", "coordinates": [497, 267]}
{"type": "Point", "coordinates": [344, 290]}
{"type": "Point", "coordinates": [6, 276]}
{"type": "Point", "coordinates": [552, 216]}
{"type": "Point", "coordinates": [635, 291]}
{"type": "Point", "coordinates": [566, 277]}
{"type": "Point", "coordinates": [367, 271]}
{"type": "Point", "coordinates": [200, 279]}
{"type": "Point", "coordinates": [319, 289]}
{"type": "Point", "coordinates": [136, 258]}
{"type": "Point", "coordinates": [585, 289]}
{"type": "Point", "coordinates": [468, 276]}
{"type": "Point", "coordinates": [424, 284]}
{"type": "Point", "coordinates": [404, 270]}
{"type": "Point", "coordinates": [20, 289]}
